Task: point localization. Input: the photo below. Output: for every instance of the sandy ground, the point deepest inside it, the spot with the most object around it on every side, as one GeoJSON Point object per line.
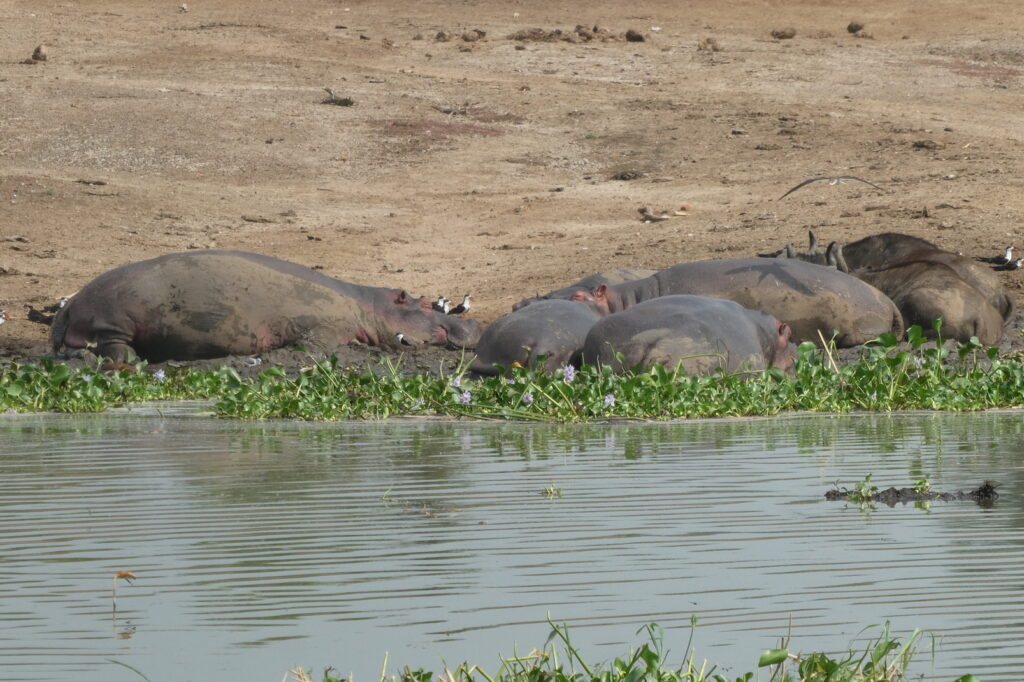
{"type": "Point", "coordinates": [481, 163]}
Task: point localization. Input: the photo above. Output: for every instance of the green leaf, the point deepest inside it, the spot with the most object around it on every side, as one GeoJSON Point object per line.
{"type": "Point", "coordinates": [772, 657]}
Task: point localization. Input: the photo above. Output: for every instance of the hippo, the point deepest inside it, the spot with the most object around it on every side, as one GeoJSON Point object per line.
{"type": "Point", "coordinates": [926, 282]}
{"type": "Point", "coordinates": [700, 333]}
{"type": "Point", "coordinates": [553, 328]}
{"type": "Point", "coordinates": [616, 276]}
{"type": "Point", "coordinates": [206, 304]}
{"type": "Point", "coordinates": [809, 298]}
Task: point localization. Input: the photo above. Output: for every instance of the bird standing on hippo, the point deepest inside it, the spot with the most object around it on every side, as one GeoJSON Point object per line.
{"type": "Point", "coordinates": [206, 304]}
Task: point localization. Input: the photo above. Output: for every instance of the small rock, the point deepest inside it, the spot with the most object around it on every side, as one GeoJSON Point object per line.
{"type": "Point", "coordinates": [709, 45]}
{"type": "Point", "coordinates": [39, 54]}
{"type": "Point", "coordinates": [855, 27]}
{"type": "Point", "coordinates": [634, 36]}
{"type": "Point", "coordinates": [442, 37]}
{"type": "Point", "coordinates": [927, 144]}
{"type": "Point", "coordinates": [787, 33]}
{"type": "Point", "coordinates": [473, 36]}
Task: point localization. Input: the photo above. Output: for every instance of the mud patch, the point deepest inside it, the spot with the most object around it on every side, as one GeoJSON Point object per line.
{"type": "Point", "coordinates": [436, 129]}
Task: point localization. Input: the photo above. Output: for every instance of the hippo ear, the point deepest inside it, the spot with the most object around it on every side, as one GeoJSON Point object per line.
{"type": "Point", "coordinates": [601, 292]}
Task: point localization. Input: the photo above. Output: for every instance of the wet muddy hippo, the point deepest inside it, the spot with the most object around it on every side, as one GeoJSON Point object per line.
{"type": "Point", "coordinates": [553, 328]}
{"type": "Point", "coordinates": [926, 283]}
{"type": "Point", "coordinates": [616, 276]}
{"type": "Point", "coordinates": [704, 334]}
{"type": "Point", "coordinates": [809, 298]}
{"type": "Point", "coordinates": [205, 304]}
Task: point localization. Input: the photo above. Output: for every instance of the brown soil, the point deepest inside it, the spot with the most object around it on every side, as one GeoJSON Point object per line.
{"type": "Point", "coordinates": [482, 163]}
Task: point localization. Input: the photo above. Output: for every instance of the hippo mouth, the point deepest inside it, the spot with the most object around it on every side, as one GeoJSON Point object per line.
{"type": "Point", "coordinates": [457, 332]}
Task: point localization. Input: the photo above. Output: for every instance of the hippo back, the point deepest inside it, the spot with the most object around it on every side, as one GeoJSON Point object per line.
{"type": "Point", "coordinates": [699, 333]}
{"type": "Point", "coordinates": [611, 277]}
{"type": "Point", "coordinates": [553, 328]}
{"type": "Point", "coordinates": [810, 298]}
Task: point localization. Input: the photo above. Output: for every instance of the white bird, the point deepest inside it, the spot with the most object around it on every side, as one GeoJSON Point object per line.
{"type": "Point", "coordinates": [3, 316]}
{"type": "Point", "coordinates": [1012, 265]}
{"type": "Point", "coordinates": [441, 305]}
{"type": "Point", "coordinates": [1007, 257]}
{"type": "Point", "coordinates": [462, 307]}
{"type": "Point", "coordinates": [831, 181]}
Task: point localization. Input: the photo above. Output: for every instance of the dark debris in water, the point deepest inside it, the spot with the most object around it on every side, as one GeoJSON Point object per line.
{"type": "Point", "coordinates": [983, 494]}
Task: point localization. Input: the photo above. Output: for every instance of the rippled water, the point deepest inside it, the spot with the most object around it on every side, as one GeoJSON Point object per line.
{"type": "Point", "coordinates": [263, 546]}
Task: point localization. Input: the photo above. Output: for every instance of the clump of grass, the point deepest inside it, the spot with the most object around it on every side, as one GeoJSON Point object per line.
{"type": "Point", "coordinates": [884, 659]}
{"type": "Point", "coordinates": [885, 378]}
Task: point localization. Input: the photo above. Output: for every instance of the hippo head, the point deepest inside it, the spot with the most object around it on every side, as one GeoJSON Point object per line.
{"type": "Point", "coordinates": [602, 299]}
{"type": "Point", "coordinates": [419, 323]}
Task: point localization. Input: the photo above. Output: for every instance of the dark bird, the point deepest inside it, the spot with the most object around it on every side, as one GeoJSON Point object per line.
{"type": "Point", "coordinates": [1012, 265]}
{"type": "Point", "coordinates": [1000, 260]}
{"type": "Point", "coordinates": [36, 316]}
{"type": "Point", "coordinates": [831, 181]}
{"type": "Point", "coordinates": [56, 306]}
{"type": "Point", "coordinates": [462, 307]}
{"type": "Point", "coordinates": [441, 305]}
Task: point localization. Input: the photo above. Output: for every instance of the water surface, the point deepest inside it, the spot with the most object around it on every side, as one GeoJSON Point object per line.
{"type": "Point", "coordinates": [263, 546]}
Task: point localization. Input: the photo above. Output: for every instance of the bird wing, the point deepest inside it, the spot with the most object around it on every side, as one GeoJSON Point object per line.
{"type": "Point", "coordinates": [802, 184]}
{"type": "Point", "coordinates": [852, 177]}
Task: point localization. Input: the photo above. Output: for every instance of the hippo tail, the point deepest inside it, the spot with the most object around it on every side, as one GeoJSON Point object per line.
{"type": "Point", "coordinates": [59, 329]}
{"type": "Point", "coordinates": [1005, 306]}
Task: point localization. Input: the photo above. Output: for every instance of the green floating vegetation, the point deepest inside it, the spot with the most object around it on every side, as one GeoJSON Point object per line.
{"type": "Point", "coordinates": [884, 659]}
{"type": "Point", "coordinates": [885, 378]}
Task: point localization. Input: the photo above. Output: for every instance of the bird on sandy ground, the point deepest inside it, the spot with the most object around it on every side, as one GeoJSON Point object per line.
{"type": "Point", "coordinates": [3, 316]}
{"type": "Point", "coordinates": [1012, 265]}
{"type": "Point", "coordinates": [36, 316]}
{"type": "Point", "coordinates": [831, 181]}
{"type": "Point", "coordinates": [1002, 259]}
{"type": "Point", "coordinates": [441, 305]}
{"type": "Point", "coordinates": [462, 307]}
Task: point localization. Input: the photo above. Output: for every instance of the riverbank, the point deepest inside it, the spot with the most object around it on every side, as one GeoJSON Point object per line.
{"type": "Point", "coordinates": [886, 376]}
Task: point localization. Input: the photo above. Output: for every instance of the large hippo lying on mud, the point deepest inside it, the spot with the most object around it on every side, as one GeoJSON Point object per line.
{"type": "Point", "coordinates": [616, 276]}
{"type": "Point", "coordinates": [926, 283]}
{"type": "Point", "coordinates": [809, 298]}
{"type": "Point", "coordinates": [204, 304]}
{"type": "Point", "coordinates": [555, 329]}
{"type": "Point", "coordinates": [704, 334]}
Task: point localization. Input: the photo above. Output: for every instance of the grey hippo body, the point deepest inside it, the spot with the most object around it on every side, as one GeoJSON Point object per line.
{"type": "Point", "coordinates": [616, 276]}
{"type": "Point", "coordinates": [926, 282]}
{"type": "Point", "coordinates": [809, 298]}
{"type": "Point", "coordinates": [204, 304]}
{"type": "Point", "coordinates": [552, 328]}
{"type": "Point", "coordinates": [704, 334]}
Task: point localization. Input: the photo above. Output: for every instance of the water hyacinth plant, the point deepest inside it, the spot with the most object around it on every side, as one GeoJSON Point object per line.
{"type": "Point", "coordinates": [886, 377]}
{"type": "Point", "coordinates": [884, 659]}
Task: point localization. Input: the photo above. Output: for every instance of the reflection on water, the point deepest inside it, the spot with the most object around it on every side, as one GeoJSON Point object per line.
{"type": "Point", "coordinates": [263, 546]}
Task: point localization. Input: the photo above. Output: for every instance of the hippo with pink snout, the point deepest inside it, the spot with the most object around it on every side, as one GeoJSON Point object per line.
{"type": "Point", "coordinates": [206, 304]}
{"type": "Point", "coordinates": [815, 301]}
